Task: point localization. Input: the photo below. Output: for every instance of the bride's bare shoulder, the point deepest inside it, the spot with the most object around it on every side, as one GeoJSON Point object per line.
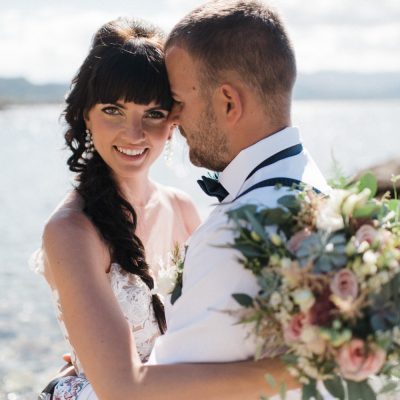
{"type": "Point", "coordinates": [69, 213]}
{"type": "Point", "coordinates": [69, 224]}
{"type": "Point", "coordinates": [69, 234]}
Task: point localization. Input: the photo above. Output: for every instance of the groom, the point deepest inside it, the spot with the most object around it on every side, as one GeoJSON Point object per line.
{"type": "Point", "coordinates": [232, 70]}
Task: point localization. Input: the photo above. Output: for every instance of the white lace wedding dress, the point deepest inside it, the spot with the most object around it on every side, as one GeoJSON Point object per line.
{"type": "Point", "coordinates": [135, 300]}
{"type": "Point", "coordinates": [161, 214]}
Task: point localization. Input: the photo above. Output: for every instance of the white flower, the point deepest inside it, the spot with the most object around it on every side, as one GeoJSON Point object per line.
{"type": "Point", "coordinates": [286, 262]}
{"type": "Point", "coordinates": [329, 247]}
{"type": "Point", "coordinates": [369, 269]}
{"type": "Point", "coordinates": [304, 299]}
{"type": "Point", "coordinates": [370, 257]}
{"type": "Point", "coordinates": [276, 299]}
{"type": "Point", "coordinates": [329, 216]}
{"type": "Point", "coordinates": [166, 279]}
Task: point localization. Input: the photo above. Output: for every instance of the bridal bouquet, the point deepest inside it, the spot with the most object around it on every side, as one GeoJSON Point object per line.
{"type": "Point", "coordinates": [328, 268]}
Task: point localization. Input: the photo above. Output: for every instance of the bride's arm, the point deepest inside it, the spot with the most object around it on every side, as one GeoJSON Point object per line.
{"type": "Point", "coordinates": [77, 261]}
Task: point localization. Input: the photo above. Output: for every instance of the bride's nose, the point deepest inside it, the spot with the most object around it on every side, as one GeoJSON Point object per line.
{"type": "Point", "coordinates": [135, 130]}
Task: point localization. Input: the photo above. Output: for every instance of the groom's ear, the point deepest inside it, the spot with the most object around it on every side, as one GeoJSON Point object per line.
{"type": "Point", "coordinates": [229, 103]}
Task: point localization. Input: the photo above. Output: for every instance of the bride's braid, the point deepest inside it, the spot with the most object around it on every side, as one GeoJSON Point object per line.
{"type": "Point", "coordinates": [125, 62]}
{"type": "Point", "coordinates": [116, 220]}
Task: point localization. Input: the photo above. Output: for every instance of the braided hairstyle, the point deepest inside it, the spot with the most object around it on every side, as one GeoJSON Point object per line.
{"type": "Point", "coordinates": [125, 62]}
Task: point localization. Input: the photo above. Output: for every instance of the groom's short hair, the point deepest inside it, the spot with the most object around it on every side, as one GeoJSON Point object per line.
{"type": "Point", "coordinates": [246, 37]}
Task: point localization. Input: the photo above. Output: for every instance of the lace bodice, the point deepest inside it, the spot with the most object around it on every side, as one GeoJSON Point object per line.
{"type": "Point", "coordinates": [135, 300]}
{"type": "Point", "coordinates": [161, 224]}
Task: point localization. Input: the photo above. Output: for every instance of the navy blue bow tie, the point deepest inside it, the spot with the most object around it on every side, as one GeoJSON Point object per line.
{"type": "Point", "coordinates": [213, 187]}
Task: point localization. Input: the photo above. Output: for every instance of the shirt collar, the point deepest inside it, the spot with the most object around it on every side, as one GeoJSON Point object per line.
{"type": "Point", "coordinates": [234, 175]}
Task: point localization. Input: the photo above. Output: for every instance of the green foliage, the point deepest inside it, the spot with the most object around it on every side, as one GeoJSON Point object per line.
{"type": "Point", "coordinates": [290, 202]}
{"type": "Point", "coordinates": [328, 252]}
{"type": "Point", "coordinates": [310, 391]}
{"type": "Point", "coordinates": [360, 391]}
{"type": "Point", "coordinates": [177, 291]}
{"type": "Point", "coordinates": [369, 181]}
{"type": "Point", "coordinates": [335, 387]}
{"type": "Point", "coordinates": [243, 299]}
{"type": "Point", "coordinates": [367, 211]}
{"type": "Point", "coordinates": [389, 386]}
{"type": "Point", "coordinates": [270, 380]}
{"type": "Point", "coordinates": [385, 312]}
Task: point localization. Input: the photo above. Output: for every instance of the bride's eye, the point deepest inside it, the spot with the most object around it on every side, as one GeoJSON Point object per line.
{"type": "Point", "coordinates": [156, 114]}
{"type": "Point", "coordinates": [111, 110]}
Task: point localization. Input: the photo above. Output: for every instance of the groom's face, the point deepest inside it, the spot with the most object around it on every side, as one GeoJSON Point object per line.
{"type": "Point", "coordinates": [193, 111]}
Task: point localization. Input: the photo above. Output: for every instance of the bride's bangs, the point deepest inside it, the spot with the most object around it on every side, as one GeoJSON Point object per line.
{"type": "Point", "coordinates": [138, 77]}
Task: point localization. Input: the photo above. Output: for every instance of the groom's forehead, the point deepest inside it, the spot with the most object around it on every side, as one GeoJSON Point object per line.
{"type": "Point", "coordinates": [181, 67]}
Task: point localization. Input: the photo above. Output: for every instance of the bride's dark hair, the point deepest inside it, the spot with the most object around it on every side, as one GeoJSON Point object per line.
{"type": "Point", "coordinates": [125, 62]}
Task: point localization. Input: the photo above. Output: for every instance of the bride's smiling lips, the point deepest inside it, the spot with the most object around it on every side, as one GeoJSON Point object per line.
{"type": "Point", "coordinates": [131, 154]}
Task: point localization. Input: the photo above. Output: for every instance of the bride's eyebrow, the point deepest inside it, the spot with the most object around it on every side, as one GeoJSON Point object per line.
{"type": "Point", "coordinates": [119, 105]}
{"type": "Point", "coordinates": [157, 107]}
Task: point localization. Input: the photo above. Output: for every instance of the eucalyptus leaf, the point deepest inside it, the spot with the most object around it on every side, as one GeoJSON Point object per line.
{"type": "Point", "coordinates": [360, 391]}
{"type": "Point", "coordinates": [335, 387]}
{"type": "Point", "coordinates": [394, 205]}
{"type": "Point", "coordinates": [240, 212]}
{"type": "Point", "coordinates": [282, 390]}
{"type": "Point", "coordinates": [275, 216]}
{"type": "Point", "coordinates": [366, 211]}
{"type": "Point", "coordinates": [310, 391]}
{"type": "Point", "coordinates": [176, 293]}
{"type": "Point", "coordinates": [256, 226]}
{"type": "Point", "coordinates": [270, 380]}
{"type": "Point", "coordinates": [248, 250]}
{"type": "Point", "coordinates": [291, 202]}
{"type": "Point", "coordinates": [395, 372]}
{"type": "Point", "coordinates": [289, 358]}
{"type": "Point", "coordinates": [243, 299]}
{"type": "Point", "coordinates": [389, 387]}
{"type": "Point", "coordinates": [369, 181]}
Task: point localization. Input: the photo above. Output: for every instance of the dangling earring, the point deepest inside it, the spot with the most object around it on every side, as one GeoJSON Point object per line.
{"type": "Point", "coordinates": [168, 152]}
{"type": "Point", "coordinates": [88, 153]}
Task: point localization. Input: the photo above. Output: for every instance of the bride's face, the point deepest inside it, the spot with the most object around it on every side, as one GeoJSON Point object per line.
{"type": "Point", "coordinates": [128, 136]}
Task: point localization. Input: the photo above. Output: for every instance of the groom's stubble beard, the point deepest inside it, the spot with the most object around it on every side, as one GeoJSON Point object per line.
{"type": "Point", "coordinates": [207, 142]}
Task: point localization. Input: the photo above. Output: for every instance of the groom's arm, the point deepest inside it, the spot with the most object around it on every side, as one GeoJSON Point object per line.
{"type": "Point", "coordinates": [238, 380]}
{"type": "Point", "coordinates": [234, 381]}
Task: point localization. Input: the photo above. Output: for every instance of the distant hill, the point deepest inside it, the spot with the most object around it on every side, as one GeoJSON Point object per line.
{"type": "Point", "coordinates": [20, 90]}
{"type": "Point", "coordinates": [347, 85]}
{"type": "Point", "coordinates": [319, 85]}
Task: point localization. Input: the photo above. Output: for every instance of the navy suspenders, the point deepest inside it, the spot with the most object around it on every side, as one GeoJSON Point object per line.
{"type": "Point", "coordinates": [282, 181]}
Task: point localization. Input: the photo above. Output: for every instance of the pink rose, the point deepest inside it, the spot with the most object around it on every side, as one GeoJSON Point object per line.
{"type": "Point", "coordinates": [366, 233]}
{"type": "Point", "coordinates": [344, 285]}
{"type": "Point", "coordinates": [357, 363]}
{"type": "Point", "coordinates": [292, 331]}
{"type": "Point", "coordinates": [294, 243]}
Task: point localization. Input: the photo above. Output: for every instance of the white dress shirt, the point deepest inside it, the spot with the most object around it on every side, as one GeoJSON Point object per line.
{"type": "Point", "coordinates": [198, 328]}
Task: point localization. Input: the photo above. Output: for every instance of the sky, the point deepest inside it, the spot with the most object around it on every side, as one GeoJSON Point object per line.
{"type": "Point", "coordinates": [46, 40]}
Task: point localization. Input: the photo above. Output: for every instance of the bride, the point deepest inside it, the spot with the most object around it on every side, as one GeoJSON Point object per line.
{"type": "Point", "coordinates": [117, 116]}
{"type": "Point", "coordinates": [101, 246]}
